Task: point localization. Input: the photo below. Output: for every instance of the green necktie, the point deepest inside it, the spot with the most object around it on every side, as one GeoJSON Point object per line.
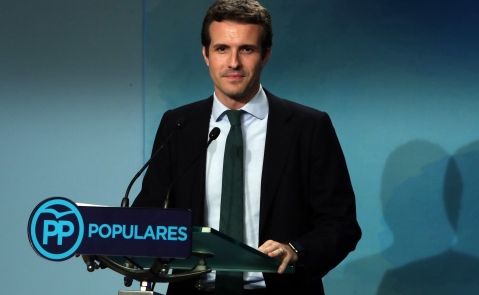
{"type": "Point", "coordinates": [232, 200]}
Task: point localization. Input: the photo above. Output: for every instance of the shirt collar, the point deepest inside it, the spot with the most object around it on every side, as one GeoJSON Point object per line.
{"type": "Point", "coordinates": [257, 106]}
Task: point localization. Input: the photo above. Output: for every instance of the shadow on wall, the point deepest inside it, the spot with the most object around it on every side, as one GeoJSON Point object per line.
{"type": "Point", "coordinates": [430, 202]}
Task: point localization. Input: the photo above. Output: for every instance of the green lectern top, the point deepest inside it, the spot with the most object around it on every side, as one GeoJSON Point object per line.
{"type": "Point", "coordinates": [211, 250]}
{"type": "Point", "coordinates": [224, 253]}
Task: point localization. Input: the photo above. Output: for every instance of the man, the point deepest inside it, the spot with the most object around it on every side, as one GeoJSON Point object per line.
{"type": "Point", "coordinates": [299, 205]}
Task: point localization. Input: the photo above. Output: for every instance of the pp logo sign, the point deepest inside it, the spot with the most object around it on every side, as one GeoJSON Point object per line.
{"type": "Point", "coordinates": [56, 229]}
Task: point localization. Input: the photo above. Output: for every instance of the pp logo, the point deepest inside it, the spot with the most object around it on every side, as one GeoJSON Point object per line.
{"type": "Point", "coordinates": [56, 229]}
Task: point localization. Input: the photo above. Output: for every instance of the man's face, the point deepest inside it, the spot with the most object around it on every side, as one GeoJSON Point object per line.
{"type": "Point", "coordinates": [235, 60]}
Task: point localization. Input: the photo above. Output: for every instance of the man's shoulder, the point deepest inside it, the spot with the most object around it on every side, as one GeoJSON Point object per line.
{"type": "Point", "coordinates": [197, 111]}
{"type": "Point", "coordinates": [195, 106]}
{"type": "Point", "coordinates": [293, 107]}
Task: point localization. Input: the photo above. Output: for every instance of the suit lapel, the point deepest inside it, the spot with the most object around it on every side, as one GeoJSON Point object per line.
{"type": "Point", "coordinates": [278, 142]}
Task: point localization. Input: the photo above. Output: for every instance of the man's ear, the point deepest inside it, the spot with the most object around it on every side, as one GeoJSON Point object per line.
{"type": "Point", "coordinates": [205, 55]}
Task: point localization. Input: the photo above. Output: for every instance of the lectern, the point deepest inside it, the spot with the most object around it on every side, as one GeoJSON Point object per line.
{"type": "Point", "coordinates": [148, 245]}
{"type": "Point", "coordinates": [211, 250]}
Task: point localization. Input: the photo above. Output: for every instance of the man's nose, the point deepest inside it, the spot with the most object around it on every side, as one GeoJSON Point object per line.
{"type": "Point", "coordinates": [234, 60]}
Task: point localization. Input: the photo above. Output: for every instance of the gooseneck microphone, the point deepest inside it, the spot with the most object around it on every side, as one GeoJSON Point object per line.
{"type": "Point", "coordinates": [214, 133]}
{"type": "Point", "coordinates": [125, 202]}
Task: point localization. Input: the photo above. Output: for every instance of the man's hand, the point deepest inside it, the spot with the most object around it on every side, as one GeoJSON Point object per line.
{"type": "Point", "coordinates": [283, 251]}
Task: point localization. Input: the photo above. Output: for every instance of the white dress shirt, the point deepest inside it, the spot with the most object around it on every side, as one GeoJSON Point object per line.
{"type": "Point", "coordinates": [254, 125]}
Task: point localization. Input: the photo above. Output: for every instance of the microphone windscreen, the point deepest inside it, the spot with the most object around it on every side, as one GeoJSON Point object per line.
{"type": "Point", "coordinates": [214, 133]}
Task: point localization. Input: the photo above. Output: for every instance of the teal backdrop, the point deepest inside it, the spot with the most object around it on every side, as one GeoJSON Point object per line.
{"type": "Point", "coordinates": [400, 80]}
{"type": "Point", "coordinates": [83, 85]}
{"type": "Point", "coordinates": [71, 125]}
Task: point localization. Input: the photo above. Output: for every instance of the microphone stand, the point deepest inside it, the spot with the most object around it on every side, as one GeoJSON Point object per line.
{"type": "Point", "coordinates": [159, 269]}
{"type": "Point", "coordinates": [125, 202]}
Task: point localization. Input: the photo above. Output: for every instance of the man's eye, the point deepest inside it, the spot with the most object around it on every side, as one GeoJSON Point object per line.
{"type": "Point", "coordinates": [247, 50]}
{"type": "Point", "coordinates": [220, 49]}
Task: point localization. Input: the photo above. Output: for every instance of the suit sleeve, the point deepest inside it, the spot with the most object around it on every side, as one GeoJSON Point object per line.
{"type": "Point", "coordinates": [335, 231]}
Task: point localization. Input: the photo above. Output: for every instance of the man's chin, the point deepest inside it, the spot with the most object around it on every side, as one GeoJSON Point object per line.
{"type": "Point", "coordinates": [242, 95]}
{"type": "Point", "coordinates": [238, 96]}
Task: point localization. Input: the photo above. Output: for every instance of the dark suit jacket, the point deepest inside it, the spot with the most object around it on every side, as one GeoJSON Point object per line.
{"type": "Point", "coordinates": [306, 193]}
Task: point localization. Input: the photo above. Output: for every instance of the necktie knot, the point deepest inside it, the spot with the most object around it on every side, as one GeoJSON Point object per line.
{"type": "Point", "coordinates": [234, 116]}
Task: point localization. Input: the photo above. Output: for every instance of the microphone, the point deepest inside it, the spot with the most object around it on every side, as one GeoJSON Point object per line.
{"type": "Point", "coordinates": [214, 133]}
{"type": "Point", "coordinates": [125, 202]}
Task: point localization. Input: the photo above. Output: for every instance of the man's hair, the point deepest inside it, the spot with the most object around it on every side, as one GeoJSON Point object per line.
{"type": "Point", "coordinates": [241, 11]}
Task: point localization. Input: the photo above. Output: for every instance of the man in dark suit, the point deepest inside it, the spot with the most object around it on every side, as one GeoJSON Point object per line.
{"type": "Point", "coordinates": [299, 205]}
